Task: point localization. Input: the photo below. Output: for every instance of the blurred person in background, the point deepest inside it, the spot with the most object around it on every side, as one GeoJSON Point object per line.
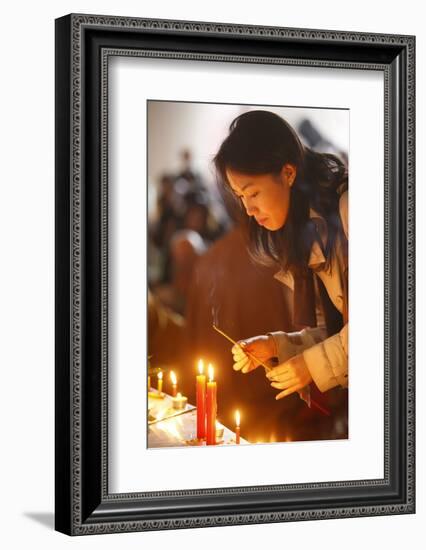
{"type": "Point", "coordinates": [186, 226]}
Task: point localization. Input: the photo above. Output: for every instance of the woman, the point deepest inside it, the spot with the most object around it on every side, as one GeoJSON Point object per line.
{"type": "Point", "coordinates": [295, 211]}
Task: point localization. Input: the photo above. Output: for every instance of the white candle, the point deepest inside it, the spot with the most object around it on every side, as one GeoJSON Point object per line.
{"type": "Point", "coordinates": [179, 402]}
{"type": "Point", "coordinates": [219, 432]}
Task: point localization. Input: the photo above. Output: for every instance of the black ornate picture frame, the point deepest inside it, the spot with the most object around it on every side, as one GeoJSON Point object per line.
{"type": "Point", "coordinates": [84, 43]}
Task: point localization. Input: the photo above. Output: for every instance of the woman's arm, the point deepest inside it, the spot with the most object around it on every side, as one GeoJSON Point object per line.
{"type": "Point", "coordinates": [325, 358]}
{"type": "Point", "coordinates": [328, 361]}
{"type": "Point", "coordinates": [289, 344]}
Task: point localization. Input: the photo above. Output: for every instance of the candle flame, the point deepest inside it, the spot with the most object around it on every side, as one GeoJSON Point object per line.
{"type": "Point", "coordinates": [173, 378]}
{"type": "Point", "coordinates": [179, 395]}
{"type": "Point", "coordinates": [201, 366]}
{"type": "Point", "coordinates": [210, 370]}
{"type": "Point", "coordinates": [237, 418]}
{"type": "Point", "coordinates": [160, 375]}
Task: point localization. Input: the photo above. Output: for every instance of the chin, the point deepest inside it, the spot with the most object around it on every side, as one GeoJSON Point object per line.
{"type": "Point", "coordinates": [270, 226]}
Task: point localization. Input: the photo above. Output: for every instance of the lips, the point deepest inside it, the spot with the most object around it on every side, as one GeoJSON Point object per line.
{"type": "Point", "coordinates": [261, 221]}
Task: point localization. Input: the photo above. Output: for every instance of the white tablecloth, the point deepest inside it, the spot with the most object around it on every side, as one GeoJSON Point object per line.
{"type": "Point", "coordinates": [178, 428]}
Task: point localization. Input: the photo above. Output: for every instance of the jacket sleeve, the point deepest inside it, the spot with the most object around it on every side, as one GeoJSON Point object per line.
{"type": "Point", "coordinates": [289, 344]}
{"type": "Point", "coordinates": [328, 361]}
{"type": "Point", "coordinates": [326, 358]}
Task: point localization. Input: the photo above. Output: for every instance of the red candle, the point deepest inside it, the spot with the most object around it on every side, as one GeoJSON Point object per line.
{"type": "Point", "coordinates": [237, 427]}
{"type": "Point", "coordinates": [201, 401]}
{"type": "Point", "coordinates": [211, 408]}
{"type": "Point", "coordinates": [174, 383]}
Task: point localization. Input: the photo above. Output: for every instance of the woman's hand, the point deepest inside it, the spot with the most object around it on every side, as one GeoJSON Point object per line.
{"type": "Point", "coordinates": [291, 376]}
{"type": "Point", "coordinates": [260, 347]}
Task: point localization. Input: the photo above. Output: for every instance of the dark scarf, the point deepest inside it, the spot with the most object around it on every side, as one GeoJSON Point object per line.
{"type": "Point", "coordinates": [304, 314]}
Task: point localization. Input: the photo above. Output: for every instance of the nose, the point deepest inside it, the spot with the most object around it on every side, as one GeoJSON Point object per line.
{"type": "Point", "coordinates": [250, 208]}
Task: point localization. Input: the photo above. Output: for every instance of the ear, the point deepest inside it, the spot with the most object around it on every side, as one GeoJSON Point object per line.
{"type": "Point", "coordinates": [289, 172]}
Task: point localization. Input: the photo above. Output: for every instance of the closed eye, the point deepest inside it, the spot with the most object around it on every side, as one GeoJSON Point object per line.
{"type": "Point", "coordinates": [241, 197]}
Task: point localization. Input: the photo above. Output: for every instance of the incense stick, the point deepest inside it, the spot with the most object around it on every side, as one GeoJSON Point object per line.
{"type": "Point", "coordinates": [267, 367]}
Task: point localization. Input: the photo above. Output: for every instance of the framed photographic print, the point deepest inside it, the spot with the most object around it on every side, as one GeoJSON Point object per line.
{"type": "Point", "coordinates": [228, 198]}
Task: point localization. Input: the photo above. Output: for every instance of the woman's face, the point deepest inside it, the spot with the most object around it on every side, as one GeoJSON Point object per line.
{"type": "Point", "coordinates": [266, 197]}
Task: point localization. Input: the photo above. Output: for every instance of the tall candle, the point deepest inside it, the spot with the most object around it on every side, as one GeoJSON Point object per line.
{"type": "Point", "coordinates": [174, 383]}
{"type": "Point", "coordinates": [201, 401]}
{"type": "Point", "coordinates": [211, 408]}
{"type": "Point", "coordinates": [160, 381]}
{"type": "Point", "coordinates": [237, 427]}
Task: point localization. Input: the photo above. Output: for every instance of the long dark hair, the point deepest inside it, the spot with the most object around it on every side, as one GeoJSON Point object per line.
{"type": "Point", "coordinates": [261, 142]}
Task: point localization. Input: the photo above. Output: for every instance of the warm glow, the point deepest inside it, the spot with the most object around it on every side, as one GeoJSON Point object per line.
{"type": "Point", "coordinates": [160, 375]}
{"type": "Point", "coordinates": [170, 428]}
{"type": "Point", "coordinates": [159, 415]}
{"type": "Point", "coordinates": [237, 418]}
{"type": "Point", "coordinates": [173, 378]}
{"type": "Point", "coordinates": [179, 395]}
{"type": "Point", "coordinates": [201, 366]}
{"type": "Point", "coordinates": [210, 370]}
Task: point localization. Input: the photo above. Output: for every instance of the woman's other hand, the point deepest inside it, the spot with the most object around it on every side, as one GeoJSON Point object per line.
{"type": "Point", "coordinates": [291, 376]}
{"type": "Point", "coordinates": [259, 347]}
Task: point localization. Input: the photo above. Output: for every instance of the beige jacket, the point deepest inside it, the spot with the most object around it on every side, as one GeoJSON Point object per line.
{"type": "Point", "coordinates": [326, 358]}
